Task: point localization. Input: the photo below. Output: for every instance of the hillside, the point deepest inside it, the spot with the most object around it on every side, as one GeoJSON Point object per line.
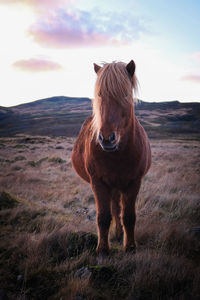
{"type": "Point", "coordinates": [56, 116]}
{"type": "Point", "coordinates": [63, 116]}
{"type": "Point", "coordinates": [48, 230]}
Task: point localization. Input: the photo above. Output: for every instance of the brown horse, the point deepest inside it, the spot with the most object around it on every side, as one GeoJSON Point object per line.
{"type": "Point", "coordinates": [112, 152]}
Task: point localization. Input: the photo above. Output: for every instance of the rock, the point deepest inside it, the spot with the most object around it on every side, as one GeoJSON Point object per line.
{"type": "Point", "coordinates": [92, 215]}
{"type": "Point", "coordinates": [80, 210]}
{"type": "Point", "coordinates": [19, 277]}
{"type": "Point", "coordinates": [83, 273]}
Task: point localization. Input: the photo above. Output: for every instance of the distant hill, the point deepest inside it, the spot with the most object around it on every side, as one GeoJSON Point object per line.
{"type": "Point", "coordinates": [63, 116]}
{"type": "Point", "coordinates": [170, 119]}
{"type": "Point", "coordinates": [56, 116]}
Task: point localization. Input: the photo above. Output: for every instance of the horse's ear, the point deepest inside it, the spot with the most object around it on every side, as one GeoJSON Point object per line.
{"type": "Point", "coordinates": [96, 68]}
{"type": "Point", "coordinates": [130, 67]}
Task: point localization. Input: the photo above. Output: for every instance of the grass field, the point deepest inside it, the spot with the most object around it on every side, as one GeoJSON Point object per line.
{"type": "Point", "coordinates": [48, 226]}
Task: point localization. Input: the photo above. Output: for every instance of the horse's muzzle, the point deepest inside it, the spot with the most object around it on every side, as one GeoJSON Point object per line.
{"type": "Point", "coordinates": [109, 145]}
{"type": "Point", "coordinates": [109, 148]}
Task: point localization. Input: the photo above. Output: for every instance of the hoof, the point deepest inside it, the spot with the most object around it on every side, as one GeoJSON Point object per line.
{"type": "Point", "coordinates": [102, 252]}
{"type": "Point", "coordinates": [131, 249]}
{"type": "Point", "coordinates": [119, 238]}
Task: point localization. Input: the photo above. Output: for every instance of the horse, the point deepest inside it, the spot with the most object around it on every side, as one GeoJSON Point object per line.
{"type": "Point", "coordinates": [112, 153]}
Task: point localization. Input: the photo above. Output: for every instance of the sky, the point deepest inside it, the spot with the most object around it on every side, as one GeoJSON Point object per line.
{"type": "Point", "coordinates": [48, 47]}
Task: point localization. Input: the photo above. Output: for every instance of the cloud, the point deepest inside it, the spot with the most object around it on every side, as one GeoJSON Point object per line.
{"type": "Point", "coordinates": [68, 29]}
{"type": "Point", "coordinates": [60, 24]}
{"type": "Point", "coordinates": [39, 3]}
{"type": "Point", "coordinates": [36, 65]}
{"type": "Point", "coordinates": [192, 77]}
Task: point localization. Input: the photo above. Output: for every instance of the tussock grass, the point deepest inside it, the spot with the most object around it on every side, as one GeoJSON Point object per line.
{"type": "Point", "coordinates": [8, 201]}
{"type": "Point", "coordinates": [56, 159]}
{"type": "Point", "coordinates": [48, 227]}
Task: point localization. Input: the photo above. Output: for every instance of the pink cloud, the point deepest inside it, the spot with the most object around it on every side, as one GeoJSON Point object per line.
{"type": "Point", "coordinates": [69, 38]}
{"type": "Point", "coordinates": [192, 77]}
{"type": "Point", "coordinates": [82, 29]}
{"type": "Point", "coordinates": [60, 25]}
{"type": "Point", "coordinates": [36, 65]}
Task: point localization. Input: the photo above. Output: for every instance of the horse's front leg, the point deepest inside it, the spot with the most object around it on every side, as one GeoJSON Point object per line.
{"type": "Point", "coordinates": [116, 212]}
{"type": "Point", "coordinates": [103, 206]}
{"type": "Point", "coordinates": [129, 196]}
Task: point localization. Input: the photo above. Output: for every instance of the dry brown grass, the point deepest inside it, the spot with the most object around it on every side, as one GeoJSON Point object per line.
{"type": "Point", "coordinates": [48, 231]}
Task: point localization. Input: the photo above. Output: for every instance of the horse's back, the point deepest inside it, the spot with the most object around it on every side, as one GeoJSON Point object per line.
{"type": "Point", "coordinates": [78, 152]}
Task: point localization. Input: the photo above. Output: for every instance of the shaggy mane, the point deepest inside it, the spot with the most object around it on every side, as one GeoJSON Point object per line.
{"type": "Point", "coordinates": [113, 84]}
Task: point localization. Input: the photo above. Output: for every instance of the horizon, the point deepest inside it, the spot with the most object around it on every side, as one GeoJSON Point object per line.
{"type": "Point", "coordinates": [50, 46]}
{"type": "Point", "coordinates": [69, 97]}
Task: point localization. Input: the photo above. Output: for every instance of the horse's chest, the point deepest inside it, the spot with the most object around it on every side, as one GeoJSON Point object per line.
{"type": "Point", "coordinates": [116, 172]}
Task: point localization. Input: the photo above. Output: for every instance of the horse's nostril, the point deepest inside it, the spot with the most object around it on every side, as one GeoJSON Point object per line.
{"type": "Point", "coordinates": [112, 137]}
{"type": "Point", "coordinates": [100, 137]}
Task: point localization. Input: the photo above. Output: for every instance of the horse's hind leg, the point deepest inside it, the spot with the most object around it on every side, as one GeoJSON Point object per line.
{"type": "Point", "coordinates": [129, 215]}
{"type": "Point", "coordinates": [116, 212]}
